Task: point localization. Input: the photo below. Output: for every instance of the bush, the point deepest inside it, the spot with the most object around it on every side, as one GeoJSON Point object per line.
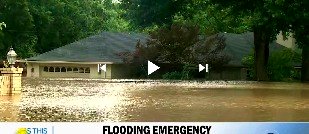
{"type": "Point", "coordinates": [187, 71]}
{"type": "Point", "coordinates": [248, 61]}
{"type": "Point", "coordinates": [185, 74]}
{"type": "Point", "coordinates": [172, 75]}
{"type": "Point", "coordinates": [280, 65]}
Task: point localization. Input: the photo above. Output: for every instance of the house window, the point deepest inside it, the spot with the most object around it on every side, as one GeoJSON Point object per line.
{"type": "Point", "coordinates": [69, 70]}
{"type": "Point", "coordinates": [75, 70]}
{"type": "Point", "coordinates": [51, 69]}
{"type": "Point", "coordinates": [45, 69]}
{"type": "Point", "coordinates": [87, 70]}
{"type": "Point", "coordinates": [63, 69]}
{"type": "Point", "coordinates": [57, 69]}
{"type": "Point", "coordinates": [81, 70]}
{"type": "Point", "coordinates": [32, 70]}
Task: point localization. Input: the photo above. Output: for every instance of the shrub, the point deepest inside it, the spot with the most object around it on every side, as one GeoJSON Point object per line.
{"type": "Point", "coordinates": [280, 65]}
{"type": "Point", "coordinates": [187, 71]}
{"type": "Point", "coordinates": [248, 61]}
{"type": "Point", "coordinates": [173, 75]}
{"type": "Point", "coordinates": [185, 74]}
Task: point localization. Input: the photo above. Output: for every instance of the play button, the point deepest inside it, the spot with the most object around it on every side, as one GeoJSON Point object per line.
{"type": "Point", "coordinates": [152, 67]}
{"type": "Point", "coordinates": [201, 67]}
{"type": "Point", "coordinates": [102, 67]}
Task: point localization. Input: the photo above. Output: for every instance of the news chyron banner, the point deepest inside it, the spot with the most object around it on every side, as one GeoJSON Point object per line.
{"type": "Point", "coordinates": [155, 128]}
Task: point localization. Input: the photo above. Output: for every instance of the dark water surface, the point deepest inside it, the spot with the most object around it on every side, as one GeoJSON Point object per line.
{"type": "Point", "coordinates": [118, 100]}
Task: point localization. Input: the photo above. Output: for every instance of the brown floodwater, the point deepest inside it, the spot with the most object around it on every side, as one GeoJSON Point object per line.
{"type": "Point", "coordinates": [128, 100]}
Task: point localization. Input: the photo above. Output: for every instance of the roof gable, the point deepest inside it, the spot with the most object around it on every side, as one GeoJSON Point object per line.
{"type": "Point", "coordinates": [98, 48]}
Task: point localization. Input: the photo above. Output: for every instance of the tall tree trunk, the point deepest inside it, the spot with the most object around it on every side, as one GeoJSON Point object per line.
{"type": "Point", "coordinates": [261, 54]}
{"type": "Point", "coordinates": [305, 64]}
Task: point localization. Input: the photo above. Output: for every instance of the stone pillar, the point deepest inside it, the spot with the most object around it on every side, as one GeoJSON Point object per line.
{"type": "Point", "coordinates": [11, 80]}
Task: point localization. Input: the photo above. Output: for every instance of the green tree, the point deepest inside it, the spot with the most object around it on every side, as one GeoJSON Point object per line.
{"type": "Point", "coordinates": [2, 25]}
{"type": "Point", "coordinates": [59, 22]}
{"type": "Point", "coordinates": [302, 37]}
{"type": "Point", "coordinates": [19, 26]}
{"type": "Point", "coordinates": [299, 13]}
{"type": "Point", "coordinates": [38, 26]}
{"type": "Point", "coordinates": [179, 44]}
{"type": "Point", "coordinates": [210, 18]}
{"type": "Point", "coordinates": [280, 65]}
{"type": "Point", "coordinates": [115, 20]}
{"type": "Point", "coordinates": [145, 13]}
{"type": "Point", "coordinates": [173, 43]}
{"type": "Point", "coordinates": [265, 18]}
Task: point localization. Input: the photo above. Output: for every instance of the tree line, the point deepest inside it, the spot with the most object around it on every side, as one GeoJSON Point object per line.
{"type": "Point", "coordinates": [265, 18]}
{"type": "Point", "coordinates": [38, 26]}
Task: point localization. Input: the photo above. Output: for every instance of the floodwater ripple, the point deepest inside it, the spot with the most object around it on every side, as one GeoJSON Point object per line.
{"type": "Point", "coordinates": [155, 100]}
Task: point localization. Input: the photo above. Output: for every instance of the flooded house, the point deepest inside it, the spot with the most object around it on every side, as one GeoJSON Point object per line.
{"type": "Point", "coordinates": [80, 59]}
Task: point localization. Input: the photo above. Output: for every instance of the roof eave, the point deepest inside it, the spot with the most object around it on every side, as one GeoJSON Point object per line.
{"type": "Point", "coordinates": [65, 62]}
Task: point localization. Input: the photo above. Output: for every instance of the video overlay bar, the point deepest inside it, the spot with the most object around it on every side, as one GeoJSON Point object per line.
{"type": "Point", "coordinates": [155, 128]}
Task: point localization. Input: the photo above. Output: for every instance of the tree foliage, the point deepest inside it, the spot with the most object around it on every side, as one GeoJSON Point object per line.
{"type": "Point", "coordinates": [211, 51]}
{"type": "Point", "coordinates": [266, 18]}
{"type": "Point", "coordinates": [145, 13]}
{"type": "Point", "coordinates": [19, 24]}
{"type": "Point", "coordinates": [300, 24]}
{"type": "Point", "coordinates": [280, 67]}
{"type": "Point", "coordinates": [173, 44]}
{"type": "Point", "coordinates": [179, 44]}
{"type": "Point", "coordinates": [38, 26]}
{"type": "Point", "coordinates": [210, 18]}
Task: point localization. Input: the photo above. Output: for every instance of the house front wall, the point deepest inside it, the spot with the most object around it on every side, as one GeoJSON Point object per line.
{"type": "Point", "coordinates": [67, 70]}
{"type": "Point", "coordinates": [33, 70]}
{"type": "Point", "coordinates": [288, 42]}
{"type": "Point", "coordinates": [121, 71]}
{"type": "Point", "coordinates": [229, 73]}
{"type": "Point", "coordinates": [95, 74]}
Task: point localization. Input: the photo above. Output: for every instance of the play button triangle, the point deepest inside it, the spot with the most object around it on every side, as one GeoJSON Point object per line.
{"type": "Point", "coordinates": [152, 67]}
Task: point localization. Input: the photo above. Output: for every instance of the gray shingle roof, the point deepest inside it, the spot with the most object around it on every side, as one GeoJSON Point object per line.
{"type": "Point", "coordinates": [99, 48]}
{"type": "Point", "coordinates": [104, 47]}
